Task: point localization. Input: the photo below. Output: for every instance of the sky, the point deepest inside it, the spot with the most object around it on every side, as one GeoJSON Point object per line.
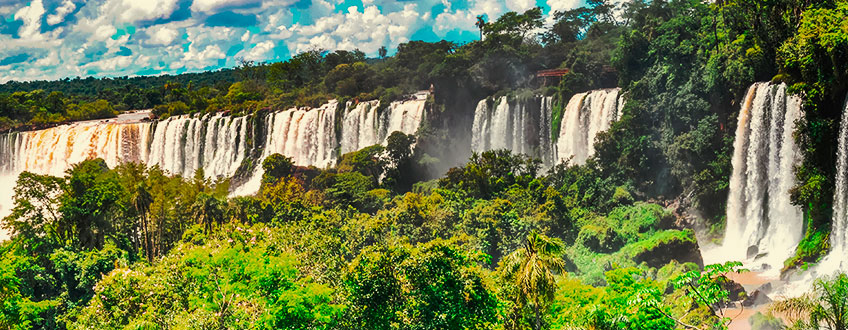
{"type": "Point", "coordinates": [54, 39]}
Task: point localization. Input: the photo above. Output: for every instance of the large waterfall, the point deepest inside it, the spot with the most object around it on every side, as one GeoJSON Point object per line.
{"type": "Point", "coordinates": [522, 126]}
{"type": "Point", "coordinates": [762, 224]}
{"type": "Point", "coordinates": [218, 144]}
{"type": "Point", "coordinates": [586, 115]}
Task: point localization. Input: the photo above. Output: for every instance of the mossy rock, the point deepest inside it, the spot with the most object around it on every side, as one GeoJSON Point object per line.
{"type": "Point", "coordinates": [600, 239]}
{"type": "Point", "coordinates": [665, 246]}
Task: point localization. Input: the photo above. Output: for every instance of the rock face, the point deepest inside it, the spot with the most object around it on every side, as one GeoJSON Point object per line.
{"type": "Point", "coordinates": [735, 290]}
{"type": "Point", "coordinates": [682, 250]}
{"type": "Point", "coordinates": [756, 298]}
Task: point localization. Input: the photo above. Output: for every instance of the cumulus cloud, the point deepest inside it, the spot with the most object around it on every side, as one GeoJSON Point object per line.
{"type": "Point", "coordinates": [211, 6]}
{"type": "Point", "coordinates": [66, 38]}
{"type": "Point", "coordinates": [31, 17]}
{"type": "Point", "coordinates": [59, 15]}
{"type": "Point", "coordinates": [162, 35]}
{"type": "Point", "coordinates": [142, 10]}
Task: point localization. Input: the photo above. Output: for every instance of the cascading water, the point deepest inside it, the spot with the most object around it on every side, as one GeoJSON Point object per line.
{"type": "Point", "coordinates": [839, 230]}
{"type": "Point", "coordinates": [182, 145]}
{"type": "Point", "coordinates": [521, 126]}
{"type": "Point", "coordinates": [586, 115]}
{"type": "Point", "coordinates": [217, 144]}
{"type": "Point", "coordinates": [365, 125]}
{"type": "Point", "coordinates": [762, 224]}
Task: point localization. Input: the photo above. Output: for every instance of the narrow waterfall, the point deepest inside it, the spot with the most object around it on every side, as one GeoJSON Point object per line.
{"type": "Point", "coordinates": [762, 223]}
{"type": "Point", "coordinates": [586, 115]}
{"type": "Point", "coordinates": [365, 125]}
{"type": "Point", "coordinates": [521, 126]}
{"type": "Point", "coordinates": [839, 230]}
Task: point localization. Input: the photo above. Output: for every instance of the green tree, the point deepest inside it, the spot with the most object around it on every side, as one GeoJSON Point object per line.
{"type": "Point", "coordinates": [533, 269]}
{"type": "Point", "coordinates": [207, 210]}
{"type": "Point", "coordinates": [141, 200]}
{"type": "Point", "coordinates": [276, 167]}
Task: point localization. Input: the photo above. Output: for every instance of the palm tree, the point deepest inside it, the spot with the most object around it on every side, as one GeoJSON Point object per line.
{"type": "Point", "coordinates": [533, 269]}
{"type": "Point", "coordinates": [141, 200]}
{"type": "Point", "coordinates": [824, 308]}
{"type": "Point", "coordinates": [207, 209]}
{"type": "Point", "coordinates": [481, 23]}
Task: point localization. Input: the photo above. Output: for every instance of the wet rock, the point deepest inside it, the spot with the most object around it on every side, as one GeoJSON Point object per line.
{"type": "Point", "coordinates": [765, 288]}
{"type": "Point", "coordinates": [756, 298]}
{"type": "Point", "coordinates": [752, 251]}
{"type": "Point", "coordinates": [735, 290]}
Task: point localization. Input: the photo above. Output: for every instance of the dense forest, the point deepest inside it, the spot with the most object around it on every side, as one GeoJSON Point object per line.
{"type": "Point", "coordinates": [413, 235]}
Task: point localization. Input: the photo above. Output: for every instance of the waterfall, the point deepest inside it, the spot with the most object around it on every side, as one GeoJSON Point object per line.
{"type": "Point", "coordinates": [365, 124]}
{"type": "Point", "coordinates": [839, 230]}
{"type": "Point", "coordinates": [183, 144]}
{"type": "Point", "coordinates": [216, 143]}
{"type": "Point", "coordinates": [761, 221]}
{"type": "Point", "coordinates": [521, 126]}
{"type": "Point", "coordinates": [308, 136]}
{"type": "Point", "coordinates": [586, 115]}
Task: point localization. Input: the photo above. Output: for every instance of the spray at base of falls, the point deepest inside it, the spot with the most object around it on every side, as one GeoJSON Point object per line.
{"type": "Point", "coordinates": [763, 227]}
{"type": "Point", "coordinates": [524, 126]}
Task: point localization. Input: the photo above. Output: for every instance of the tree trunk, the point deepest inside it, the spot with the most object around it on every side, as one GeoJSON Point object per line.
{"type": "Point", "coordinates": [538, 314]}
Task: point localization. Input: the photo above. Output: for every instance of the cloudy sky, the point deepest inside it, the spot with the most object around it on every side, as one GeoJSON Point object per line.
{"type": "Point", "coordinates": [52, 39]}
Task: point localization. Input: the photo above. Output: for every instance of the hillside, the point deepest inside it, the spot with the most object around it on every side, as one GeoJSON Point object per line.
{"type": "Point", "coordinates": [449, 186]}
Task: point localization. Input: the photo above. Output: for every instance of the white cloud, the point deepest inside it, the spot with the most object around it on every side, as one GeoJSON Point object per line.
{"type": "Point", "coordinates": [366, 30]}
{"type": "Point", "coordinates": [31, 17]}
{"type": "Point", "coordinates": [200, 59]}
{"type": "Point", "coordinates": [260, 52]}
{"type": "Point", "coordinates": [520, 5]}
{"type": "Point", "coordinates": [210, 6]}
{"type": "Point", "coordinates": [563, 5]}
{"type": "Point", "coordinates": [162, 35]}
{"type": "Point", "coordinates": [57, 17]}
{"type": "Point", "coordinates": [131, 11]}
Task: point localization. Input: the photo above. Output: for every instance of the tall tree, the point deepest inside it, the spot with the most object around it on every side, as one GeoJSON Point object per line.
{"type": "Point", "coordinates": [141, 201]}
{"type": "Point", "coordinates": [533, 269]}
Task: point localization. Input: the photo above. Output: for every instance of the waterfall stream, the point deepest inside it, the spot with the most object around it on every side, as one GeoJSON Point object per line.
{"type": "Point", "coordinates": [586, 115]}
{"type": "Point", "coordinates": [525, 126]}
{"type": "Point", "coordinates": [763, 226]}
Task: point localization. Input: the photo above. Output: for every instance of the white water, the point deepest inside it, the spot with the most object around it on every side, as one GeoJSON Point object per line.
{"type": "Point", "coordinates": [586, 115]}
{"type": "Point", "coordinates": [519, 126]}
{"type": "Point", "coordinates": [365, 126]}
{"type": "Point", "coordinates": [835, 260]}
{"type": "Point", "coordinates": [760, 217]}
{"type": "Point", "coordinates": [217, 144]}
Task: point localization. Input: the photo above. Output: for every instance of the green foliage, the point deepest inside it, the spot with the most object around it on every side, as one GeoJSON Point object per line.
{"type": "Point", "coordinates": [430, 286]}
{"type": "Point", "coordinates": [232, 282]}
{"type": "Point", "coordinates": [824, 307]}
{"type": "Point", "coordinates": [707, 288]}
{"type": "Point", "coordinates": [490, 173]}
{"type": "Point", "coordinates": [276, 167]}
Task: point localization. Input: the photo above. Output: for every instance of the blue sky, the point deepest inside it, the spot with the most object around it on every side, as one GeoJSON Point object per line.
{"type": "Point", "coordinates": [52, 39]}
